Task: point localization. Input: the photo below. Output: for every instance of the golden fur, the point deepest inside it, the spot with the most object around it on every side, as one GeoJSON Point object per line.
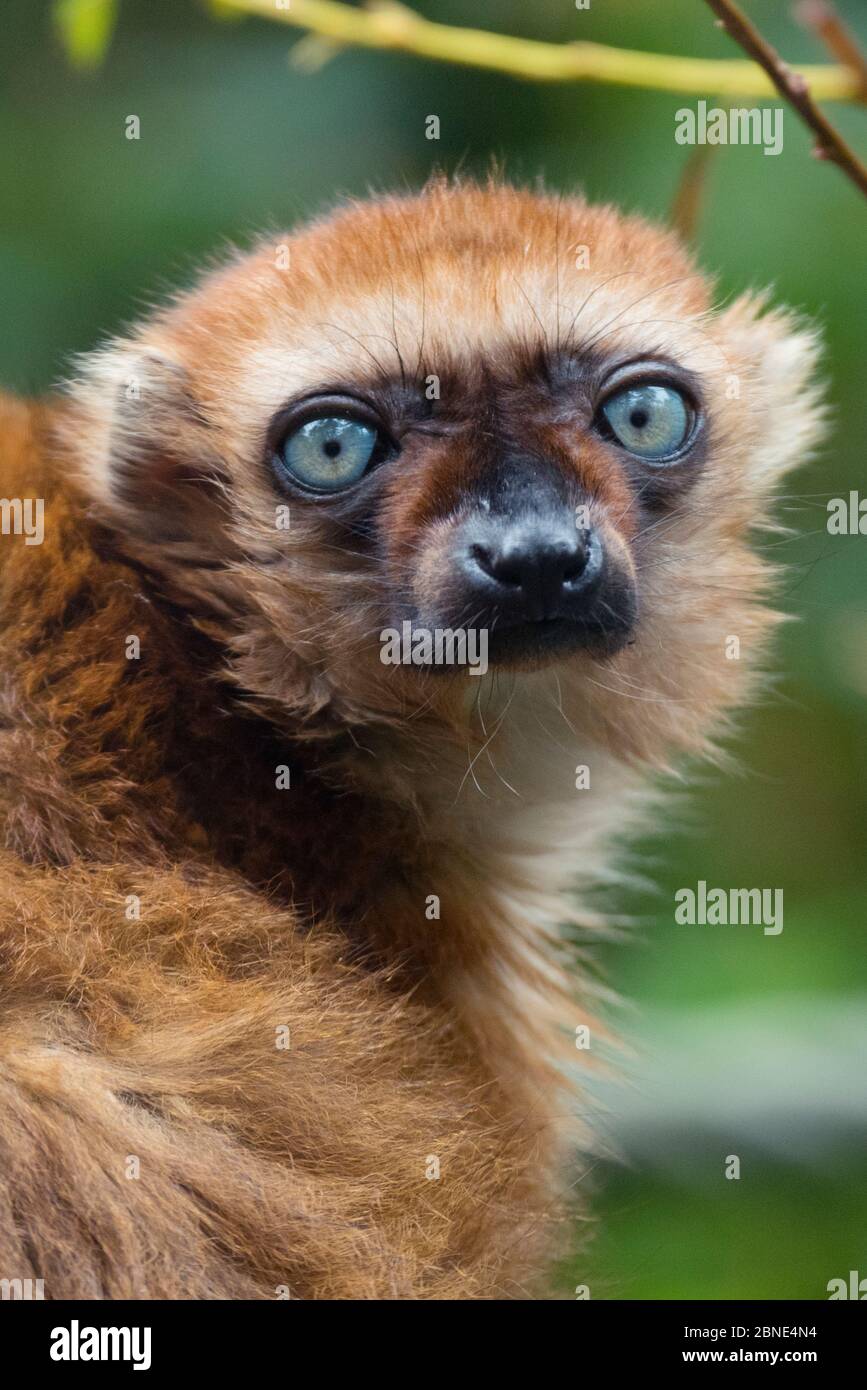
{"type": "Point", "coordinates": [166, 909]}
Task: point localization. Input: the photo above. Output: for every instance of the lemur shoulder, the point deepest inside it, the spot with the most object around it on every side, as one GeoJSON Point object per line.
{"type": "Point", "coordinates": [284, 928]}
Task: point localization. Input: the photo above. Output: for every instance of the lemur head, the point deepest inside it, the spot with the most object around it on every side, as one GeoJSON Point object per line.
{"type": "Point", "coordinates": [474, 409]}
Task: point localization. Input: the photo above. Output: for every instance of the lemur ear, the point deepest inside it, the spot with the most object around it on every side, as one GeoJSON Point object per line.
{"type": "Point", "coordinates": [151, 459]}
{"type": "Point", "coordinates": [773, 358]}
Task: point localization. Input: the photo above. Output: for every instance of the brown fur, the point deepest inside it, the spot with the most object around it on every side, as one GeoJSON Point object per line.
{"type": "Point", "coordinates": [260, 908]}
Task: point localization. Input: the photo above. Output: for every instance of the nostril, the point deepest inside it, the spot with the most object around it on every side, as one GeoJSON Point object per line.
{"type": "Point", "coordinates": [482, 557]}
{"type": "Point", "coordinates": [505, 569]}
{"type": "Point", "coordinates": [575, 564]}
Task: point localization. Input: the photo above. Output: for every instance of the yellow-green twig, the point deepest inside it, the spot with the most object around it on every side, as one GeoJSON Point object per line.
{"type": "Point", "coordinates": [388, 25]}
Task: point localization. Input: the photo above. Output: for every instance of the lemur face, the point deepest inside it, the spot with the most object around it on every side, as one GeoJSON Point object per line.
{"type": "Point", "coordinates": [494, 493]}
{"type": "Point", "coordinates": [475, 408]}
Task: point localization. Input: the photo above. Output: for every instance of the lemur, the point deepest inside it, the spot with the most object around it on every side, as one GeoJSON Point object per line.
{"type": "Point", "coordinates": [289, 999]}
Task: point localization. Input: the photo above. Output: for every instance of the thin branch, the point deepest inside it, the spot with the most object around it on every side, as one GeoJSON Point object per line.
{"type": "Point", "coordinates": [385, 24]}
{"type": "Point", "coordinates": [794, 88]}
{"type": "Point", "coordinates": [691, 191]}
{"type": "Point", "coordinates": [826, 24]}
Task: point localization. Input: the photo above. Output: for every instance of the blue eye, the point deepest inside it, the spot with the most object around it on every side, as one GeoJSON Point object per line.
{"type": "Point", "coordinates": [651, 421]}
{"type": "Point", "coordinates": [330, 453]}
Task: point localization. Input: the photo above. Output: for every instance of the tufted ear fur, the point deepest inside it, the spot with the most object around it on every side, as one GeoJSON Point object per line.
{"type": "Point", "coordinates": [152, 467]}
{"type": "Point", "coordinates": [774, 356]}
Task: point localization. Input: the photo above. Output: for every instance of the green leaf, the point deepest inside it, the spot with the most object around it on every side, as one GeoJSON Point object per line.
{"type": "Point", "coordinates": [85, 28]}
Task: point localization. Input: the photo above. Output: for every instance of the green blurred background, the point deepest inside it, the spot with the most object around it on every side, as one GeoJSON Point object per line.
{"type": "Point", "coordinates": [743, 1044]}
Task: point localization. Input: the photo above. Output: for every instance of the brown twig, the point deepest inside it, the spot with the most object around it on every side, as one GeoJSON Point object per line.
{"type": "Point", "coordinates": [821, 17]}
{"type": "Point", "coordinates": [691, 190]}
{"type": "Point", "coordinates": [791, 85]}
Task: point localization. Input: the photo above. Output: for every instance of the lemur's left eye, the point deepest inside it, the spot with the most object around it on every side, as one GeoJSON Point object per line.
{"type": "Point", "coordinates": [330, 453]}
{"type": "Point", "coordinates": [652, 421]}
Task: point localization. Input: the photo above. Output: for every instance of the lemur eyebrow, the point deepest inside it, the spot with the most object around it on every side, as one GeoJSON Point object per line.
{"type": "Point", "coordinates": [421, 403]}
{"type": "Point", "coordinates": [381, 392]}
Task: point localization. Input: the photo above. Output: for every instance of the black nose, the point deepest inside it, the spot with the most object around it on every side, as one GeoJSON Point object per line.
{"type": "Point", "coordinates": [534, 568]}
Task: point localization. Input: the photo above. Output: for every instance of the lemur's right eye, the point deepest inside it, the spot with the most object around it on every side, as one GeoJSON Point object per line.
{"type": "Point", "coordinates": [330, 453]}
{"type": "Point", "coordinates": [652, 419]}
